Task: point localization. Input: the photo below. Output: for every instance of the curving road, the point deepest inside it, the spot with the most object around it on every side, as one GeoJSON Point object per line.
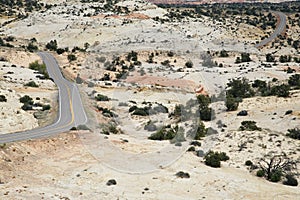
{"type": "Point", "coordinates": [279, 29]}
{"type": "Point", "coordinates": [71, 111]}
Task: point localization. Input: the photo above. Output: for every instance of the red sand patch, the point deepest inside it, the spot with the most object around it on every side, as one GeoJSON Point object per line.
{"type": "Point", "coordinates": [188, 85]}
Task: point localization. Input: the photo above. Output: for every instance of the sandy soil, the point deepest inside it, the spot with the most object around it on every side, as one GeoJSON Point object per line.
{"type": "Point", "coordinates": [74, 166]}
{"type": "Point", "coordinates": [61, 168]}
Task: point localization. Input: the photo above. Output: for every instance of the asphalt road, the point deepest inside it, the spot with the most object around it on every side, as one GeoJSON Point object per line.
{"type": "Point", "coordinates": [71, 111]}
{"type": "Point", "coordinates": [279, 29]}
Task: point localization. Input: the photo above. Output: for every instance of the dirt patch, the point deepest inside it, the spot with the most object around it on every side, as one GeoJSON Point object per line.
{"type": "Point", "coordinates": [162, 81]}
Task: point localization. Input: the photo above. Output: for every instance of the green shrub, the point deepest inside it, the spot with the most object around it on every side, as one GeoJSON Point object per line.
{"type": "Point", "coordinates": [26, 100]}
{"type": "Point", "coordinates": [132, 56]}
{"type": "Point", "coordinates": [159, 135]}
{"type": "Point", "coordinates": [203, 101]}
{"type": "Point", "coordinates": [71, 57]}
{"type": "Point", "coordinates": [280, 90]}
{"type": "Point", "coordinates": [41, 68]}
{"type": "Point", "coordinates": [270, 58]}
{"type": "Point", "coordinates": [285, 58]}
{"type": "Point", "coordinates": [31, 84]}
{"type": "Point", "coordinates": [240, 89]}
{"type": "Point", "coordinates": [32, 48]}
{"type": "Point", "coordinates": [248, 163]}
{"type": "Point", "coordinates": [223, 156]}
{"type": "Point", "coordinates": [165, 63]}
{"type": "Point", "coordinates": [26, 106]}
{"type": "Point", "coordinates": [178, 109]}
{"type": "Point", "coordinates": [231, 103]}
{"type": "Point", "coordinates": [200, 131]}
{"type": "Point", "coordinates": [214, 159]}
{"type": "Point", "coordinates": [60, 51]}
{"type": "Point", "coordinates": [249, 126]}
{"type": "Point", "coordinates": [108, 113]}
{"type": "Point", "coordinates": [110, 128]}
{"type": "Point", "coordinates": [101, 97]}
{"type": "Point", "coordinates": [245, 57]}
{"type": "Point", "coordinates": [189, 64]}
{"type": "Point", "coordinates": [260, 173]}
{"type": "Point", "coordinates": [294, 80]}
{"type": "Point", "coordinates": [276, 176]}
{"type": "Point", "coordinates": [223, 53]}
{"type": "Point", "coordinates": [52, 45]}
{"type": "Point", "coordinates": [207, 114]}
{"type": "Point", "coordinates": [294, 133]}
{"type": "Point", "coordinates": [164, 133]}
{"type": "Point", "coordinates": [46, 107]}
{"type": "Point", "coordinates": [182, 174]}
{"type": "Point", "coordinates": [3, 98]}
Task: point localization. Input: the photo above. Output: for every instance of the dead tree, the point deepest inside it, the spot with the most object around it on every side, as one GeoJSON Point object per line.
{"type": "Point", "coordinates": [272, 164]}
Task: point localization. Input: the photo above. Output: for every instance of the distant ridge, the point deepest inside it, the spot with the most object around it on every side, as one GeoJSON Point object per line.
{"type": "Point", "coordinates": [196, 2]}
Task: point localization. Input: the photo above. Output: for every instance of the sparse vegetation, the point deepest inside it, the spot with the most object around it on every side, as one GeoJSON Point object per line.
{"type": "Point", "coordinates": [248, 163]}
{"type": "Point", "coordinates": [223, 53]}
{"type": "Point", "coordinates": [273, 167]}
{"type": "Point", "coordinates": [164, 133]}
{"type": "Point", "coordinates": [26, 100]}
{"type": "Point", "coordinates": [182, 174]}
{"type": "Point", "coordinates": [41, 68]}
{"type": "Point", "coordinates": [245, 57]}
{"type": "Point", "coordinates": [213, 159]}
{"type": "Point", "coordinates": [189, 64]}
{"type": "Point", "coordinates": [46, 107]}
{"type": "Point", "coordinates": [200, 131]}
{"type": "Point", "coordinates": [32, 47]}
{"type": "Point", "coordinates": [249, 126]}
{"type": "Point", "coordinates": [231, 103]}
{"type": "Point", "coordinates": [52, 45]}
{"type": "Point", "coordinates": [31, 84]}
{"type": "Point", "coordinates": [294, 80]}
{"type": "Point", "coordinates": [240, 89]}
{"type": "Point", "coordinates": [294, 133]}
{"type": "Point", "coordinates": [71, 57]}
{"type": "Point", "coordinates": [270, 58]}
{"type": "Point", "coordinates": [206, 113]}
{"type": "Point", "coordinates": [3, 98]}
{"type": "Point", "coordinates": [110, 128]}
{"type": "Point", "coordinates": [101, 97]}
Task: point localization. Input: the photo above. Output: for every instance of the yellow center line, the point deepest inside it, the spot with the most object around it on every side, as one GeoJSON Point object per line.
{"type": "Point", "coordinates": [11, 135]}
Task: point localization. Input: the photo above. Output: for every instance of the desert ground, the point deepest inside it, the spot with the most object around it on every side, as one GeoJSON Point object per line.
{"type": "Point", "coordinates": [78, 164]}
